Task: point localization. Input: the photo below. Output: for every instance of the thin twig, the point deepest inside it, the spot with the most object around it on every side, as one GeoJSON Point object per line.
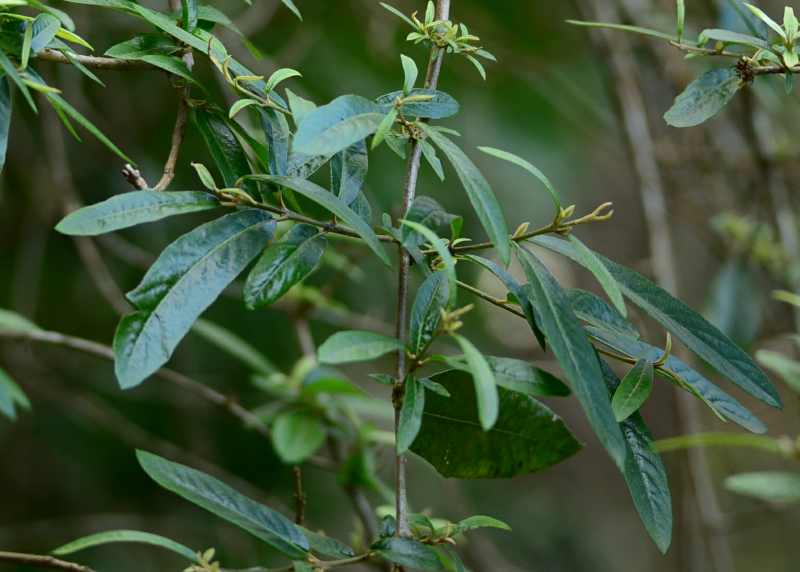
{"type": "Point", "coordinates": [178, 134]}
{"type": "Point", "coordinates": [95, 62]}
{"type": "Point", "coordinates": [41, 561]}
{"type": "Point", "coordinates": [299, 496]}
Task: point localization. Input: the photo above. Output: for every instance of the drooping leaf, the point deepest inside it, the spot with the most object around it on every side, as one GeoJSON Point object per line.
{"type": "Point", "coordinates": [595, 311]}
{"type": "Point", "coordinates": [125, 536]}
{"type": "Point", "coordinates": [234, 346]}
{"type": "Point", "coordinates": [408, 552]}
{"type": "Point", "coordinates": [11, 397]}
{"type": "Point", "coordinates": [687, 325]}
{"type": "Point", "coordinates": [278, 135]}
{"type": "Point", "coordinates": [426, 313]}
{"type": "Point", "coordinates": [588, 260]}
{"type": "Point", "coordinates": [574, 353]}
{"type": "Point", "coordinates": [424, 104]}
{"type": "Point", "coordinates": [188, 276]}
{"type": "Point", "coordinates": [634, 390]}
{"type": "Point", "coordinates": [354, 346]}
{"type": "Point", "coordinates": [410, 419]}
{"type": "Point", "coordinates": [218, 498]}
{"type": "Point", "coordinates": [222, 144]}
{"type": "Point", "coordinates": [338, 125]}
{"type": "Point", "coordinates": [520, 162]}
{"type": "Point", "coordinates": [704, 98]}
{"type": "Point", "coordinates": [480, 194]}
{"type": "Point", "coordinates": [349, 172]}
{"type": "Point", "coordinates": [761, 15]}
{"type": "Point", "coordinates": [133, 208]}
{"type": "Point", "coordinates": [296, 436]}
{"type": "Point", "coordinates": [12, 74]}
{"type": "Point", "coordinates": [526, 438]}
{"type": "Point", "coordinates": [770, 486]}
{"type": "Point", "coordinates": [484, 382]}
{"type": "Point", "coordinates": [427, 212]}
{"type": "Point", "coordinates": [283, 265]}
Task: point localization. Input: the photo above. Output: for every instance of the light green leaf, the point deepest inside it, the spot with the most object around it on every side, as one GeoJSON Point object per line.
{"type": "Point", "coordinates": [281, 75]}
{"type": "Point", "coordinates": [133, 208]}
{"type": "Point", "coordinates": [480, 521]}
{"type": "Point", "coordinates": [788, 369]}
{"type": "Point", "coordinates": [234, 346]}
{"type": "Point", "coordinates": [588, 260]}
{"type": "Point", "coordinates": [526, 438]}
{"type": "Point", "coordinates": [297, 435]}
{"type": "Point", "coordinates": [171, 64]}
{"type": "Point", "coordinates": [728, 37]}
{"type": "Point", "coordinates": [239, 105]}
{"type": "Point", "coordinates": [484, 381]}
{"type": "Point", "coordinates": [761, 15]}
{"type": "Point", "coordinates": [704, 98]}
{"type": "Point", "coordinates": [11, 397]}
{"type": "Point", "coordinates": [410, 71]}
{"type": "Point", "coordinates": [429, 152]}
{"type": "Point", "coordinates": [189, 14]}
{"type": "Point", "coordinates": [733, 440]}
{"type": "Point", "coordinates": [770, 486]}
{"type": "Point", "coordinates": [299, 106]}
{"type": "Point", "coordinates": [480, 194]}
{"type": "Point", "coordinates": [125, 536]}
{"type": "Point", "coordinates": [16, 322]}
{"type": "Point", "coordinates": [680, 25]}
{"type": "Point", "coordinates": [524, 377]}
{"type": "Point", "coordinates": [410, 419]}
{"type": "Point", "coordinates": [385, 126]}
{"type": "Point", "coordinates": [228, 154]}
{"type": "Point", "coordinates": [330, 128]}
{"type": "Point", "coordinates": [399, 14]}
{"type": "Point", "coordinates": [44, 29]}
{"type": "Point", "coordinates": [11, 72]}
{"type": "Point", "coordinates": [27, 38]}
{"type": "Point", "coordinates": [520, 162]}
{"type": "Point", "coordinates": [444, 253]}
{"type": "Point", "coordinates": [634, 390]}
{"type": "Point", "coordinates": [5, 119]}
{"type": "Point", "coordinates": [293, 7]}
{"type": "Point", "coordinates": [187, 277]}
{"type": "Point", "coordinates": [625, 28]}
{"type": "Point", "coordinates": [354, 346]}
{"type": "Point", "coordinates": [220, 499]}
{"type": "Point", "coordinates": [422, 103]}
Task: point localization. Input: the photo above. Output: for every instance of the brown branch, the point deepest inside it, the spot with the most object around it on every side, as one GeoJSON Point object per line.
{"type": "Point", "coordinates": [178, 134]}
{"type": "Point", "coordinates": [299, 496]}
{"type": "Point", "coordinates": [95, 62]}
{"type": "Point", "coordinates": [41, 561]}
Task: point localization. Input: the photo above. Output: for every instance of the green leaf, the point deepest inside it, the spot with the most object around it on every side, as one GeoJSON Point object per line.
{"type": "Point", "coordinates": [293, 7]}
{"type": "Point", "coordinates": [426, 313]}
{"type": "Point", "coordinates": [205, 176]}
{"type": "Point", "coordinates": [526, 438]}
{"type": "Point", "coordinates": [278, 135]}
{"type": "Point", "coordinates": [410, 419]}
{"type": "Point", "coordinates": [234, 346]}
{"type": "Point", "coordinates": [27, 38]}
{"type": "Point", "coordinates": [704, 98]}
{"type": "Point", "coordinates": [44, 29]}
{"type": "Point", "coordinates": [680, 24]}
{"type": "Point", "coordinates": [281, 75]}
{"type": "Point", "coordinates": [787, 369]}
{"type": "Point", "coordinates": [588, 260]}
{"type": "Point", "coordinates": [333, 204]}
{"type": "Point", "coordinates": [444, 253]}
{"type": "Point", "coordinates": [410, 71]}
{"type": "Point", "coordinates": [283, 265]}
{"type": "Point", "coordinates": [484, 381]}
{"type": "Point", "coordinates": [634, 390]}
{"type": "Point", "coordinates": [687, 325]}
{"type": "Point", "coordinates": [11, 397]}
{"type": "Point", "coordinates": [427, 212]}
{"type": "Point", "coordinates": [625, 28]}
{"type": "Point", "coordinates": [126, 536]}
{"type": "Point", "coordinates": [354, 346]}
{"type": "Point", "coordinates": [330, 128]}
{"type": "Point", "coordinates": [327, 546]}
{"type": "Point", "coordinates": [424, 103]}
{"type": "Point", "coordinates": [5, 119]}
{"type": "Point", "coordinates": [223, 501]}
{"type": "Point", "coordinates": [189, 14]}
{"type": "Point", "coordinates": [574, 353]}
{"type": "Point", "coordinates": [478, 65]}
{"type": "Point", "coordinates": [133, 208]}
{"type": "Point", "coordinates": [16, 322]}
{"type": "Point", "coordinates": [11, 72]}
{"type": "Point", "coordinates": [408, 552]}
{"type": "Point", "coordinates": [770, 486]}
{"type": "Point", "coordinates": [479, 193]}
{"type": "Point", "coordinates": [429, 152]}
{"type": "Point", "coordinates": [297, 435]}
{"type": "Point", "coordinates": [299, 106]}
{"type": "Point", "coordinates": [188, 276]}
{"type": "Point", "coordinates": [222, 144]}
{"type": "Point", "coordinates": [170, 64]}
{"type": "Point", "coordinates": [399, 14]}
{"type": "Point", "coordinates": [735, 303]}
{"type": "Point", "coordinates": [385, 127]}
{"type": "Point", "coordinates": [766, 19]}
{"type": "Point", "coordinates": [349, 172]}
{"type": "Point", "coordinates": [738, 440]}
{"type": "Point", "coordinates": [520, 162]}
{"type": "Point", "coordinates": [524, 377]}
{"type": "Point", "coordinates": [597, 312]}
{"type": "Point", "coordinates": [729, 37]}
{"type": "Point", "coordinates": [480, 521]}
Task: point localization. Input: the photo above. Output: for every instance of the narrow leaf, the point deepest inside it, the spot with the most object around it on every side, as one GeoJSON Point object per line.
{"type": "Point", "coordinates": [426, 313]}
{"type": "Point", "coordinates": [125, 536]}
{"type": "Point", "coordinates": [485, 384]}
{"type": "Point", "coordinates": [333, 127]}
{"type": "Point", "coordinates": [354, 346]}
{"type": "Point", "coordinates": [520, 162]}
{"type": "Point", "coordinates": [234, 346]}
{"type": "Point", "coordinates": [770, 486]}
{"type": "Point", "coordinates": [634, 390]}
{"type": "Point", "coordinates": [588, 260]}
{"type": "Point", "coordinates": [410, 419]}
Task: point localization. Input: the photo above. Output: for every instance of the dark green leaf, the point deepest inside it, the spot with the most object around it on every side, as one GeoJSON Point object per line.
{"type": "Point", "coordinates": [704, 98]}
{"type": "Point", "coordinates": [588, 260]}
{"type": "Point", "coordinates": [5, 118]}
{"type": "Point", "coordinates": [634, 390]}
{"type": "Point", "coordinates": [188, 276]}
{"type": "Point", "coordinates": [296, 436]}
{"type": "Point", "coordinates": [283, 265]}
{"type": "Point", "coordinates": [327, 546]}
{"type": "Point", "coordinates": [129, 209]}
{"type": "Point", "coordinates": [331, 128]}
{"type": "Point", "coordinates": [44, 29]}
{"type": "Point", "coordinates": [408, 552]}
{"type": "Point", "coordinates": [773, 486]}
{"type": "Point", "coordinates": [524, 377]}
{"type": "Point", "coordinates": [354, 346]}
{"type": "Point", "coordinates": [480, 194]}
{"type": "Point", "coordinates": [349, 172]}
{"type": "Point", "coordinates": [220, 499]}
{"type": "Point", "coordinates": [222, 144]}
{"type": "Point", "coordinates": [444, 253]}
{"type": "Point", "coordinates": [595, 311]}
{"type": "Point", "coordinates": [575, 354]}
{"type": "Point", "coordinates": [427, 212]}
{"type": "Point", "coordinates": [436, 105]}
{"type": "Point", "coordinates": [410, 419]}
{"type": "Point", "coordinates": [526, 438]}
{"type": "Point", "coordinates": [189, 14]}
{"type": "Point", "coordinates": [426, 313]}
{"type": "Point", "coordinates": [126, 536]}
{"type": "Point", "coordinates": [11, 72]}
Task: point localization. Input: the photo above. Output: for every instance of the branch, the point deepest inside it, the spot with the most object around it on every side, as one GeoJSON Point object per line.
{"type": "Point", "coordinates": [95, 62]}
{"type": "Point", "coordinates": [178, 134]}
{"type": "Point", "coordinates": [41, 562]}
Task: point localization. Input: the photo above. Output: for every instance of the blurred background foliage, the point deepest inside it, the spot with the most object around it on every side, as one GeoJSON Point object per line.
{"type": "Point", "coordinates": [562, 97]}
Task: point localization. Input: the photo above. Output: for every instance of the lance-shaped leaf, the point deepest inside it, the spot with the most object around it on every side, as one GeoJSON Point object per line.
{"type": "Point", "coordinates": [424, 104]}
{"type": "Point", "coordinates": [133, 208]}
{"type": "Point", "coordinates": [687, 325]}
{"type": "Point", "coordinates": [770, 486]}
{"type": "Point", "coordinates": [426, 313]}
{"type": "Point", "coordinates": [526, 438]}
{"type": "Point", "coordinates": [574, 353]}
{"type": "Point", "coordinates": [517, 375]}
{"type": "Point", "coordinates": [296, 436]}
{"type": "Point", "coordinates": [595, 311]}
{"type": "Point", "coordinates": [16, 322]}
{"type": "Point", "coordinates": [408, 552]}
{"type": "Point", "coordinates": [354, 346]}
{"type": "Point", "coordinates": [234, 346]}
{"type": "Point", "coordinates": [520, 162]}
{"type": "Point", "coordinates": [338, 125]}
{"type": "Point", "coordinates": [222, 144]}
{"type": "Point", "coordinates": [5, 118]}
{"type": "Point", "coordinates": [283, 265]}
{"type": "Point", "coordinates": [427, 212]}
{"type": "Point", "coordinates": [636, 387]}
{"type": "Point", "coordinates": [645, 474]}
{"type": "Point", "coordinates": [125, 536]}
{"type": "Point", "coordinates": [349, 172]}
{"type": "Point", "coordinates": [218, 498]}
{"type": "Point", "coordinates": [11, 397]}
{"type": "Point", "coordinates": [480, 194]}
{"type": "Point", "coordinates": [704, 98]}
{"type": "Point", "coordinates": [712, 395]}
{"type": "Point", "coordinates": [278, 135]}
{"type": "Point", "coordinates": [188, 276]}
{"type": "Point", "coordinates": [444, 253]}
{"type": "Point", "coordinates": [410, 419]}
{"type": "Point", "coordinates": [44, 28]}
{"type": "Point", "coordinates": [484, 382]}
{"type": "Point", "coordinates": [729, 37]}
{"type": "Point", "coordinates": [589, 261]}
{"type": "Point", "coordinates": [333, 204]}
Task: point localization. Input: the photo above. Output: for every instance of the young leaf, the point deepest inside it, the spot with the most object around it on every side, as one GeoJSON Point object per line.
{"type": "Point", "coordinates": [218, 498]}
{"type": "Point", "coordinates": [11, 397]}
{"type": "Point", "coordinates": [296, 436]}
{"type": "Point", "coordinates": [479, 521]}
{"type": "Point", "coordinates": [125, 536]}
{"type": "Point", "coordinates": [743, 440]}
{"type": "Point", "coordinates": [281, 75]}
{"type": "Point", "coordinates": [27, 38]}
{"type": "Point", "coordinates": [354, 346]}
{"type": "Point", "coordinates": [410, 419]}
{"type": "Point", "coordinates": [189, 14]}
{"type": "Point", "coordinates": [770, 486]}
{"type": "Point", "coordinates": [687, 325]}
{"type": "Point", "coordinates": [408, 552]}
{"type": "Point", "coordinates": [11, 72]}
{"type": "Point", "coordinates": [704, 98]}
{"type": "Point", "coordinates": [234, 346]}
{"type": "Point", "coordinates": [761, 15]}
{"type": "Point", "coordinates": [422, 103]}
{"type": "Point", "coordinates": [574, 353]}
{"type": "Point", "coordinates": [728, 37]}
{"type": "Point", "coordinates": [443, 252]}
{"type": "Point", "coordinates": [188, 276]}
{"type": "Point", "coordinates": [634, 390]}
{"type": "Point", "coordinates": [588, 260]}
{"type": "Point", "coordinates": [334, 205]}
{"type": "Point", "coordinates": [526, 438]}
{"type": "Point", "coordinates": [15, 322]}
{"type": "Point", "coordinates": [433, 160]}
{"type": "Point", "coordinates": [329, 129]}
{"type": "Point", "coordinates": [479, 192]}
{"type": "Point", "coordinates": [385, 127]}
{"type": "Point", "coordinates": [625, 28]}
{"type": "Point", "coordinates": [399, 14]}
{"type": "Point", "coordinates": [293, 7]}
{"type": "Point", "coordinates": [680, 24]}
{"type": "Point", "coordinates": [133, 208]}
{"type": "Point", "coordinates": [5, 119]}
{"type": "Point", "coordinates": [283, 265]}
{"type": "Point", "coordinates": [426, 313]}
{"type": "Point", "coordinates": [520, 162]}
{"type": "Point", "coordinates": [485, 384]}
{"type": "Point", "coordinates": [410, 71]}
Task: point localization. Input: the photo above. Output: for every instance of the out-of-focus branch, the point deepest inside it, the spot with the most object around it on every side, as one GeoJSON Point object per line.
{"type": "Point", "coordinates": [95, 62]}
{"type": "Point", "coordinates": [41, 561]}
